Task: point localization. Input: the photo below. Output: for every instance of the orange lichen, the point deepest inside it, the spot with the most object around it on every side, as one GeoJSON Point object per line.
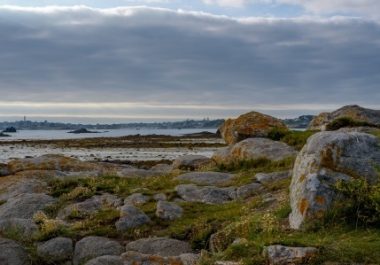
{"type": "Point", "coordinates": [320, 200]}
{"type": "Point", "coordinates": [303, 206]}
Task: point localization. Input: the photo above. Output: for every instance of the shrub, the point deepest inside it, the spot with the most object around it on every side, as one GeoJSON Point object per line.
{"type": "Point", "coordinates": [277, 134]}
{"type": "Point", "coordinates": [346, 122]}
{"type": "Point", "coordinates": [361, 202]}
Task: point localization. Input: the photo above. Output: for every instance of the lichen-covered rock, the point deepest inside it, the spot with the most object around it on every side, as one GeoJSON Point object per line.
{"type": "Point", "coordinates": [191, 162]}
{"type": "Point", "coordinates": [252, 124]}
{"type": "Point", "coordinates": [11, 253]}
{"type": "Point", "coordinates": [25, 205]}
{"type": "Point", "coordinates": [168, 210]}
{"type": "Point", "coordinates": [106, 260]}
{"type": "Point", "coordinates": [131, 217]}
{"type": "Point", "coordinates": [160, 197]}
{"type": "Point", "coordinates": [161, 246]}
{"type": "Point", "coordinates": [90, 206]}
{"type": "Point", "coordinates": [56, 250]}
{"type": "Point", "coordinates": [267, 178]}
{"type": "Point", "coordinates": [254, 148]}
{"type": "Point", "coordinates": [326, 158]}
{"type": "Point", "coordinates": [136, 258]}
{"type": "Point", "coordinates": [136, 199]}
{"type": "Point", "coordinates": [353, 112]}
{"type": "Point", "coordinates": [249, 190]}
{"type": "Point", "coordinates": [23, 227]}
{"type": "Point", "coordinates": [206, 178]}
{"type": "Point", "coordinates": [95, 246]}
{"type": "Point", "coordinates": [283, 255]}
{"type": "Point", "coordinates": [205, 194]}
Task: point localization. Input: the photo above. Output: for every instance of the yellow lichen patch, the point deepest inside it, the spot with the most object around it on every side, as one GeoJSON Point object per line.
{"type": "Point", "coordinates": [303, 206]}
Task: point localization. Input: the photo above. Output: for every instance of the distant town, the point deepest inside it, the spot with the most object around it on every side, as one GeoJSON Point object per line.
{"type": "Point", "coordinates": [300, 122]}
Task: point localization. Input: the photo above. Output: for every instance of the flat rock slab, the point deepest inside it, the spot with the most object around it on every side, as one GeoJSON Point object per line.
{"type": "Point", "coordinates": [206, 178]}
{"type": "Point", "coordinates": [168, 210]}
{"type": "Point", "coordinates": [135, 258]}
{"type": "Point", "coordinates": [56, 250]}
{"type": "Point", "coordinates": [106, 260]}
{"type": "Point", "coordinates": [191, 162]}
{"type": "Point", "coordinates": [25, 205]}
{"type": "Point", "coordinates": [267, 178]}
{"type": "Point", "coordinates": [161, 246]}
{"type": "Point", "coordinates": [206, 194]}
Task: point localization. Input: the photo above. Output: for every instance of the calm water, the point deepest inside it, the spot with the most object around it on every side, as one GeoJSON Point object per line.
{"type": "Point", "coordinates": [62, 134]}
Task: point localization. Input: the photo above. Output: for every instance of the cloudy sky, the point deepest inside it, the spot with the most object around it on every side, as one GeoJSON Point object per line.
{"type": "Point", "coordinates": [131, 60]}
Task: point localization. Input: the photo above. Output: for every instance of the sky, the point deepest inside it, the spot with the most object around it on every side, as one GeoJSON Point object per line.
{"type": "Point", "coordinates": [155, 60]}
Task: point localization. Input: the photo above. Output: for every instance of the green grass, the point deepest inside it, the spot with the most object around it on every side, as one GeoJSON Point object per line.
{"type": "Point", "coordinates": [297, 139]}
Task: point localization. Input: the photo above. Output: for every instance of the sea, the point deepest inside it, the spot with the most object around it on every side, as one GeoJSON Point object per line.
{"type": "Point", "coordinates": [63, 134]}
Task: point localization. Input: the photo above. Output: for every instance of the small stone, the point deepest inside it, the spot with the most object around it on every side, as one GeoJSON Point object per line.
{"type": "Point", "coordinates": [131, 217]}
{"type": "Point", "coordinates": [283, 255]}
{"type": "Point", "coordinates": [168, 210]}
{"type": "Point", "coordinates": [56, 250]}
{"type": "Point", "coordinates": [136, 199]}
{"type": "Point", "coordinates": [249, 190]}
{"type": "Point", "coordinates": [160, 197]}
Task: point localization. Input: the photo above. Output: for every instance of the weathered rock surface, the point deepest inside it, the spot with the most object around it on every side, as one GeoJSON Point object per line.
{"type": "Point", "coordinates": [161, 246]}
{"type": "Point", "coordinates": [191, 162]}
{"type": "Point", "coordinates": [252, 124]}
{"type": "Point", "coordinates": [90, 205]}
{"type": "Point", "coordinates": [11, 253]}
{"type": "Point", "coordinates": [354, 112]}
{"type": "Point", "coordinates": [23, 227]}
{"type": "Point", "coordinates": [160, 197]}
{"type": "Point", "coordinates": [326, 158]}
{"type": "Point", "coordinates": [25, 205]}
{"type": "Point", "coordinates": [206, 178]}
{"type": "Point", "coordinates": [56, 250]}
{"type": "Point", "coordinates": [135, 258]}
{"type": "Point", "coordinates": [168, 210]}
{"type": "Point", "coordinates": [205, 194]}
{"type": "Point", "coordinates": [136, 199]}
{"type": "Point", "coordinates": [95, 246]}
{"type": "Point", "coordinates": [283, 255]}
{"type": "Point", "coordinates": [131, 217]}
{"type": "Point", "coordinates": [266, 178]}
{"type": "Point", "coordinates": [254, 148]}
{"type": "Point", "coordinates": [106, 260]}
{"type": "Point", "coordinates": [249, 190]}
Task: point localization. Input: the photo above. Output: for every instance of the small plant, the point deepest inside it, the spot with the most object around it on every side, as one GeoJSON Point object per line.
{"type": "Point", "coordinates": [346, 122]}
{"type": "Point", "coordinates": [361, 202]}
{"type": "Point", "coordinates": [277, 134]}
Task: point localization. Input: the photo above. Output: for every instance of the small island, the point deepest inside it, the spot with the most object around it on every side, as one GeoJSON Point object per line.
{"type": "Point", "coordinates": [10, 130]}
{"type": "Point", "coordinates": [83, 130]}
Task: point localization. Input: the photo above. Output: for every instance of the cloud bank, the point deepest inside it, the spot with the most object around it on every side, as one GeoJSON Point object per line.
{"type": "Point", "coordinates": [157, 56]}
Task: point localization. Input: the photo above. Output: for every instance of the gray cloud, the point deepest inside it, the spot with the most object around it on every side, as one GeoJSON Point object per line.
{"type": "Point", "coordinates": [79, 54]}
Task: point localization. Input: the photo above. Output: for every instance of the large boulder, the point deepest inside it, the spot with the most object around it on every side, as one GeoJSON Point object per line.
{"type": "Point", "coordinates": [252, 124]}
{"type": "Point", "coordinates": [206, 178]}
{"type": "Point", "coordinates": [326, 158]}
{"type": "Point", "coordinates": [56, 250]}
{"type": "Point", "coordinates": [283, 255]}
{"type": "Point", "coordinates": [25, 205]}
{"type": "Point", "coordinates": [254, 148]}
{"type": "Point", "coordinates": [94, 246]}
{"type": "Point", "coordinates": [354, 112]}
{"type": "Point", "coordinates": [162, 246]}
{"type": "Point", "coordinates": [191, 162]}
{"type": "Point", "coordinates": [11, 253]}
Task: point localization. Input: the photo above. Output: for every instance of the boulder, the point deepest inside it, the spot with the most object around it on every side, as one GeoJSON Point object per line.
{"type": "Point", "coordinates": [161, 246]}
{"type": "Point", "coordinates": [191, 162]}
{"type": "Point", "coordinates": [25, 228]}
{"type": "Point", "coordinates": [206, 178]}
{"type": "Point", "coordinates": [136, 199]}
{"type": "Point", "coordinates": [11, 253]}
{"type": "Point", "coordinates": [266, 178]}
{"type": "Point", "coordinates": [249, 125]}
{"type": "Point", "coordinates": [206, 194]}
{"type": "Point", "coordinates": [131, 217]}
{"type": "Point", "coordinates": [283, 255]}
{"type": "Point", "coordinates": [56, 250]}
{"type": "Point", "coordinates": [254, 148]}
{"type": "Point", "coordinates": [25, 205]}
{"type": "Point", "coordinates": [160, 197]}
{"type": "Point", "coordinates": [106, 260]}
{"type": "Point", "coordinates": [327, 158]}
{"type": "Point", "coordinates": [90, 206]}
{"type": "Point", "coordinates": [168, 210]}
{"type": "Point", "coordinates": [354, 112]}
{"type": "Point", "coordinates": [95, 246]}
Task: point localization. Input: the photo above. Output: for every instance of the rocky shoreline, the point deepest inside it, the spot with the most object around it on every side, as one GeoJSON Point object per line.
{"type": "Point", "coordinates": [272, 196]}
